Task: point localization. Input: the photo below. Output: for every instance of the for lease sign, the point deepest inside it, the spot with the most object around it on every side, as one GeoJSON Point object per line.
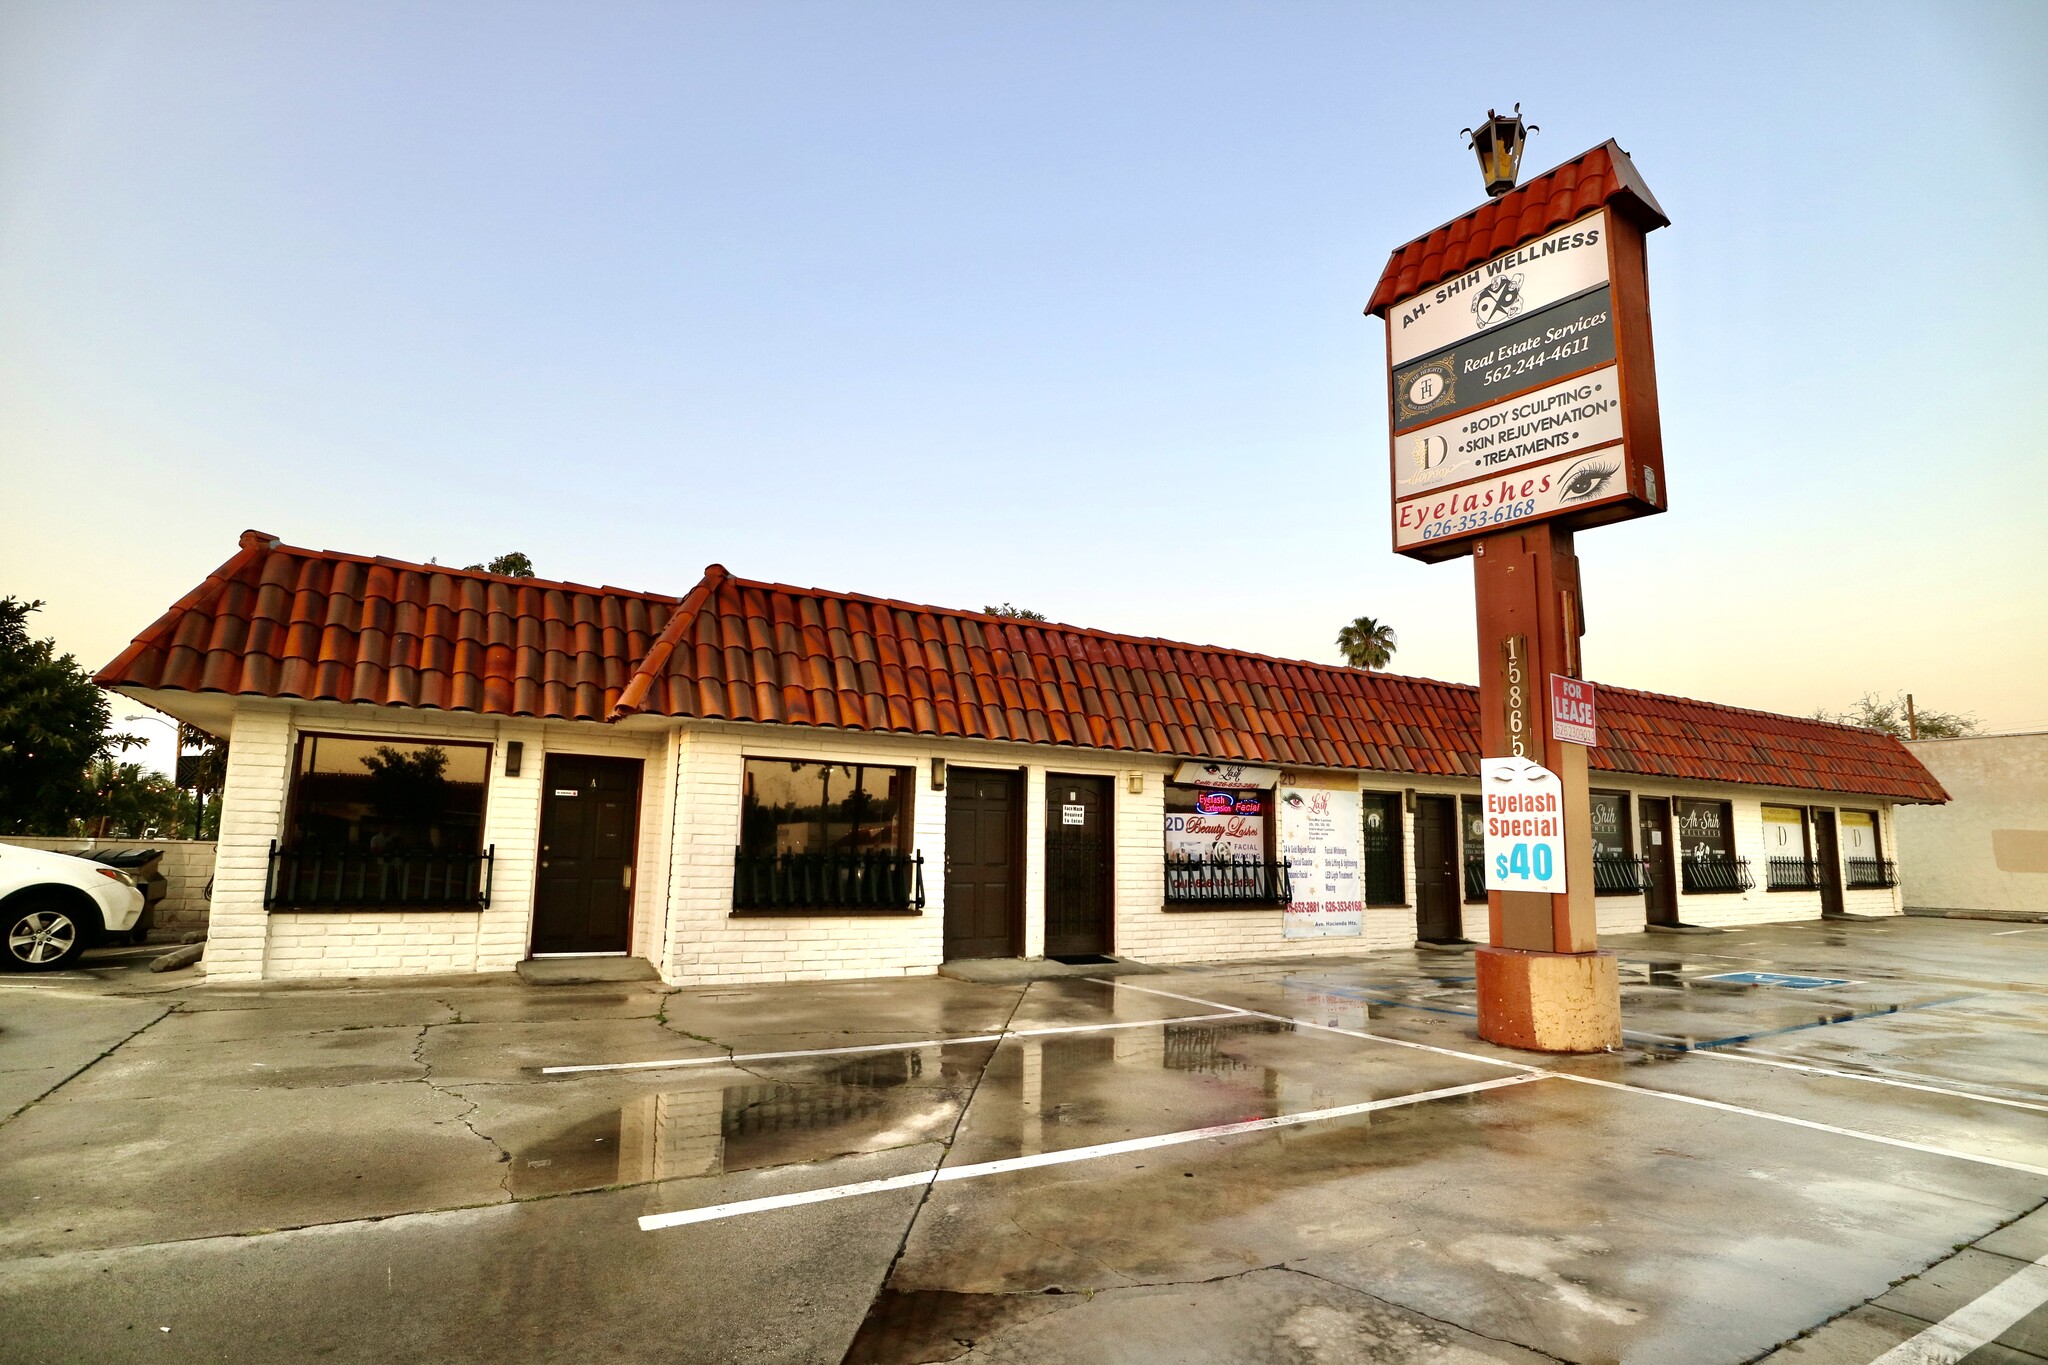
{"type": "Point", "coordinates": [1573, 717]}
{"type": "Point", "coordinates": [1524, 833]}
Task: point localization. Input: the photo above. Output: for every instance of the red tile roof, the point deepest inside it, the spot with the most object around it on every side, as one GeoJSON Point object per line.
{"type": "Point", "coordinates": [276, 621]}
{"type": "Point", "coordinates": [281, 622]}
{"type": "Point", "coordinates": [1603, 175]}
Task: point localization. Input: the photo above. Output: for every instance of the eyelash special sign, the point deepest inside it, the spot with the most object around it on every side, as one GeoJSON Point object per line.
{"type": "Point", "coordinates": [1524, 388]}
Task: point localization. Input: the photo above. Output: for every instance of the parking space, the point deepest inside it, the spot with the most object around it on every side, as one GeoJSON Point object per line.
{"type": "Point", "coordinates": [1824, 1142]}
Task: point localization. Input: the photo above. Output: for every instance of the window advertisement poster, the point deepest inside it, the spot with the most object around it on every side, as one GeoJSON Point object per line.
{"type": "Point", "coordinates": [1784, 832]}
{"type": "Point", "coordinates": [1610, 839]}
{"type": "Point", "coordinates": [1320, 836]}
{"type": "Point", "coordinates": [1524, 825]}
{"type": "Point", "coordinates": [1859, 834]}
{"type": "Point", "coordinates": [1703, 829]}
{"type": "Point", "coordinates": [1224, 825]}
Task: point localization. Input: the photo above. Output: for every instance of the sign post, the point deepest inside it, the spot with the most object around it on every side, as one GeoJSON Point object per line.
{"type": "Point", "coordinates": [1523, 404]}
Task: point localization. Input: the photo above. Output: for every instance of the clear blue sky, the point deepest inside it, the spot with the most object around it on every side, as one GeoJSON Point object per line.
{"type": "Point", "coordinates": [1059, 304]}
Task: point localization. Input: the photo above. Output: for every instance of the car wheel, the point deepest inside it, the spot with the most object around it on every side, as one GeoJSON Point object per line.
{"type": "Point", "coordinates": [43, 935]}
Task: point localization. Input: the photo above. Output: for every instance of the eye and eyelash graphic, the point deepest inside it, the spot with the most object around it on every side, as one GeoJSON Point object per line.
{"type": "Point", "coordinates": [1587, 479]}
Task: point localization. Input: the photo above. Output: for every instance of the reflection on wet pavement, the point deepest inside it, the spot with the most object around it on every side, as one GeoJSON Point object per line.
{"type": "Point", "coordinates": [861, 1104]}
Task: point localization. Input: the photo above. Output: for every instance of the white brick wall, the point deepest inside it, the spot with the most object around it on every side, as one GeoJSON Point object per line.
{"type": "Point", "coordinates": [251, 815]}
{"type": "Point", "coordinates": [246, 943]}
{"type": "Point", "coordinates": [689, 825]}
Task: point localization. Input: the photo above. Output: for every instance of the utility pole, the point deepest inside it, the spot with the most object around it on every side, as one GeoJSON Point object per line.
{"type": "Point", "coordinates": [1912, 721]}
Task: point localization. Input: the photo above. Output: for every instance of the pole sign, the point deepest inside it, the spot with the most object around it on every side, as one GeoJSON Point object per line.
{"type": "Point", "coordinates": [1522, 388]}
{"type": "Point", "coordinates": [1574, 716]}
{"type": "Point", "coordinates": [1524, 834]}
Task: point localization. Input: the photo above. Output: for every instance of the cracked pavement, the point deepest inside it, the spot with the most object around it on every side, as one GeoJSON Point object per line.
{"type": "Point", "coordinates": [381, 1171]}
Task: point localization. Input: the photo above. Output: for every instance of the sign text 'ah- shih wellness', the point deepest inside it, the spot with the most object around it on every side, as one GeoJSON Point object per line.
{"type": "Point", "coordinates": [1510, 391]}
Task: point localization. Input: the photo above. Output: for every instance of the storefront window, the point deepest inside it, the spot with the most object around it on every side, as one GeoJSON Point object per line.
{"type": "Point", "coordinates": [1615, 870]}
{"type": "Point", "coordinates": [796, 806]}
{"type": "Point", "coordinates": [1863, 863]}
{"type": "Point", "coordinates": [1473, 816]}
{"type": "Point", "coordinates": [1384, 882]}
{"type": "Point", "coordinates": [387, 796]}
{"type": "Point", "coordinates": [1216, 823]}
{"type": "Point", "coordinates": [382, 823]}
{"type": "Point", "coordinates": [1220, 847]}
{"type": "Point", "coordinates": [1787, 850]}
{"type": "Point", "coordinates": [1706, 843]}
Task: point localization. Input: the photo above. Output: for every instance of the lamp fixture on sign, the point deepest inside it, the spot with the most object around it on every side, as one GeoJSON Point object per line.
{"type": "Point", "coordinates": [1498, 144]}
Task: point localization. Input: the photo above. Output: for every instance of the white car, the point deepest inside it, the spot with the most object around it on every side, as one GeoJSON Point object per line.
{"type": "Point", "coordinates": [54, 906]}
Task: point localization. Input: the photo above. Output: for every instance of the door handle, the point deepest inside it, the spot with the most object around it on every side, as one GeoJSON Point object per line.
{"type": "Point", "coordinates": [626, 877]}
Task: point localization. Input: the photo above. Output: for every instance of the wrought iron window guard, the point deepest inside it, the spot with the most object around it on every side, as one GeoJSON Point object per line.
{"type": "Point", "coordinates": [1619, 874]}
{"type": "Point", "coordinates": [1475, 878]}
{"type": "Point", "coordinates": [824, 883]}
{"type": "Point", "coordinates": [351, 879]}
{"type": "Point", "coordinates": [1383, 875]}
{"type": "Point", "coordinates": [1715, 874]}
{"type": "Point", "coordinates": [1226, 881]}
{"type": "Point", "coordinates": [1792, 874]}
{"type": "Point", "coordinates": [1867, 874]}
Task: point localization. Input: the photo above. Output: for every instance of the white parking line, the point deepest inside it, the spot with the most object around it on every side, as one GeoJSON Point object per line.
{"type": "Point", "coordinates": [1927, 1148]}
{"type": "Point", "coordinates": [1735, 1056]}
{"type": "Point", "coordinates": [713, 1212]}
{"type": "Point", "coordinates": [1322, 1028]}
{"type": "Point", "coordinates": [1978, 1322]}
{"type": "Point", "coordinates": [725, 1059]}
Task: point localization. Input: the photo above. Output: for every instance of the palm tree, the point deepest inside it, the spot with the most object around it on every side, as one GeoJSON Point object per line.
{"type": "Point", "coordinates": [1367, 643]}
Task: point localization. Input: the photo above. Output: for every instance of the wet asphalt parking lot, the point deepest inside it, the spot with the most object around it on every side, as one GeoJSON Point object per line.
{"type": "Point", "coordinates": [1288, 1161]}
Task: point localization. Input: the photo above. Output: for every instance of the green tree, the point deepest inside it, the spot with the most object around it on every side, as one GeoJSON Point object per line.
{"type": "Point", "coordinates": [1889, 716]}
{"type": "Point", "coordinates": [1014, 613]}
{"type": "Point", "coordinates": [54, 725]}
{"type": "Point", "coordinates": [513, 565]}
{"type": "Point", "coordinates": [1367, 643]}
{"type": "Point", "coordinates": [129, 801]}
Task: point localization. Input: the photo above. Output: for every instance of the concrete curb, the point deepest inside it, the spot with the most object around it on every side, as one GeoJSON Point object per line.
{"type": "Point", "coordinates": [178, 957]}
{"type": "Point", "coordinates": [2000, 916]}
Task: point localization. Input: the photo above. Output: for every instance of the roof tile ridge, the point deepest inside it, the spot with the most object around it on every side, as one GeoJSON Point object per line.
{"type": "Point", "coordinates": [535, 581]}
{"type": "Point", "coordinates": [1568, 163]}
{"type": "Point", "coordinates": [1091, 632]}
{"type": "Point", "coordinates": [634, 694]}
{"type": "Point", "coordinates": [254, 545]}
{"type": "Point", "coordinates": [1749, 711]}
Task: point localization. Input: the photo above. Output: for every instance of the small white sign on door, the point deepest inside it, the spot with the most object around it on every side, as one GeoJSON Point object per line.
{"type": "Point", "coordinates": [1073, 815]}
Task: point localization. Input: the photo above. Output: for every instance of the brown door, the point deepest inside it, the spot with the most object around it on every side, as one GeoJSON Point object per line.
{"type": "Point", "coordinates": [1660, 886]}
{"type": "Point", "coordinates": [1438, 916]}
{"type": "Point", "coordinates": [1077, 844]}
{"type": "Point", "coordinates": [1827, 858]}
{"type": "Point", "coordinates": [983, 871]}
{"type": "Point", "coordinates": [583, 890]}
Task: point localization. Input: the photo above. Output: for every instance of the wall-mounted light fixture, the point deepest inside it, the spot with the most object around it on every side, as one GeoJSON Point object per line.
{"type": "Point", "coordinates": [938, 774]}
{"type": "Point", "coordinates": [514, 751]}
{"type": "Point", "coordinates": [1408, 799]}
{"type": "Point", "coordinates": [1137, 783]}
